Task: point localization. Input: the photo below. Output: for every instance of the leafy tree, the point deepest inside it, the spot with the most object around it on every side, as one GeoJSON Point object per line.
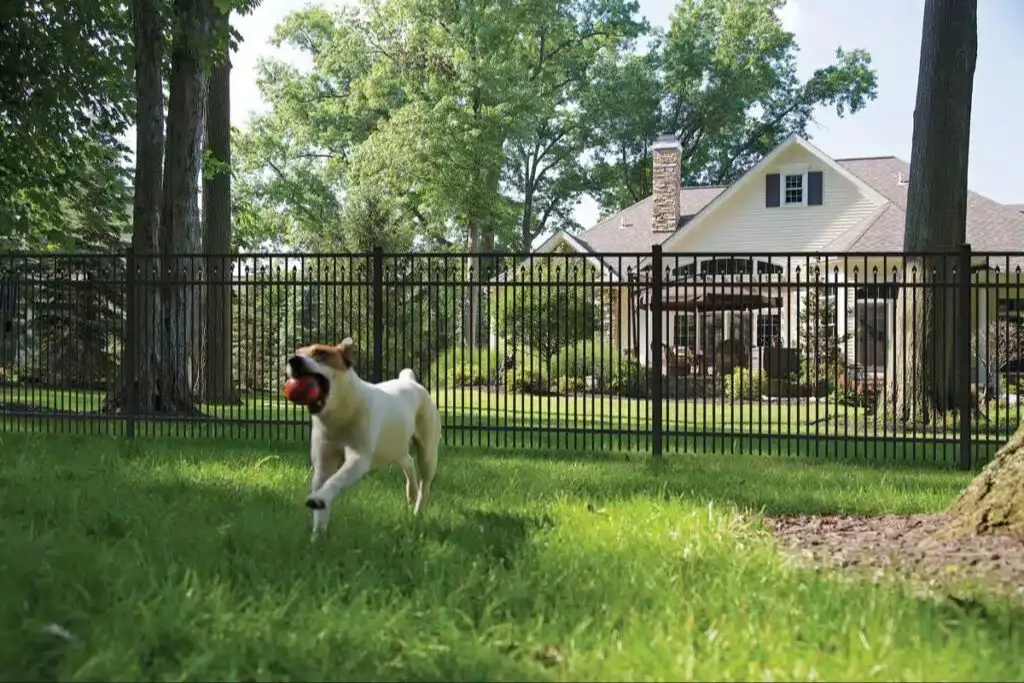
{"type": "Point", "coordinates": [822, 348]}
{"type": "Point", "coordinates": [723, 79]}
{"type": "Point", "coordinates": [548, 306]}
{"type": "Point", "coordinates": [66, 98]}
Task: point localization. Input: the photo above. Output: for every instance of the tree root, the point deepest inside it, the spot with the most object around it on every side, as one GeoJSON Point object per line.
{"type": "Point", "coordinates": [994, 502]}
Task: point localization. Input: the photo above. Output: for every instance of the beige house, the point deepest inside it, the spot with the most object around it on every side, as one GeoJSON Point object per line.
{"type": "Point", "coordinates": [795, 214]}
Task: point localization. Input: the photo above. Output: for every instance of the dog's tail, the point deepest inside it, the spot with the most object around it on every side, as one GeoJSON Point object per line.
{"type": "Point", "coordinates": [408, 375]}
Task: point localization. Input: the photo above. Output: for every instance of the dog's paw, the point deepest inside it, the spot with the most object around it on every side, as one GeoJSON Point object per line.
{"type": "Point", "coordinates": [316, 503]}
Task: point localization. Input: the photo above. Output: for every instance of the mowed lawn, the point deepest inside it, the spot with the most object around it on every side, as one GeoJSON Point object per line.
{"type": "Point", "coordinates": [170, 560]}
{"type": "Point", "coordinates": [500, 408]}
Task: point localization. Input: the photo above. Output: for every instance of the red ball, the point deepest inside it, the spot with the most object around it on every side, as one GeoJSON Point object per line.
{"type": "Point", "coordinates": [302, 390]}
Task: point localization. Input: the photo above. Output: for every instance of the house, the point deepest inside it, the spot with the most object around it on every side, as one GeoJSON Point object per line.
{"type": "Point", "coordinates": [797, 211]}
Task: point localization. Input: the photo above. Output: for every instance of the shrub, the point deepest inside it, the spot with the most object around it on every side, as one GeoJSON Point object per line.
{"type": "Point", "coordinates": [461, 366]}
{"type": "Point", "coordinates": [570, 384]}
{"type": "Point", "coordinates": [629, 380]}
{"type": "Point", "coordinates": [587, 358]}
{"type": "Point", "coordinates": [528, 378]}
{"type": "Point", "coordinates": [744, 384]}
{"type": "Point", "coordinates": [858, 393]}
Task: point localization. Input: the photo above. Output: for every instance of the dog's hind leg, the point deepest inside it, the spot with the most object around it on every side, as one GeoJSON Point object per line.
{"type": "Point", "coordinates": [411, 478]}
{"type": "Point", "coordinates": [426, 463]}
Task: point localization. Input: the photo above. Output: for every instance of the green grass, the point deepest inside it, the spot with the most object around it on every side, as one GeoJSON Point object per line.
{"type": "Point", "coordinates": [496, 408]}
{"type": "Point", "coordinates": [169, 560]}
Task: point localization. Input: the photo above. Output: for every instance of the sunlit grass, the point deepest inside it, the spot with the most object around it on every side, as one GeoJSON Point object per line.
{"type": "Point", "coordinates": [168, 560]}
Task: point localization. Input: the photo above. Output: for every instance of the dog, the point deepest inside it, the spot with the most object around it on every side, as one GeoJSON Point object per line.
{"type": "Point", "coordinates": [358, 427]}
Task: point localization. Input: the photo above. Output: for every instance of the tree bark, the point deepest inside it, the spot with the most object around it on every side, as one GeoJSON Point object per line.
{"type": "Point", "coordinates": [217, 383]}
{"type": "Point", "coordinates": [180, 219]}
{"type": "Point", "coordinates": [994, 502]}
{"type": "Point", "coordinates": [141, 356]}
{"type": "Point", "coordinates": [921, 372]}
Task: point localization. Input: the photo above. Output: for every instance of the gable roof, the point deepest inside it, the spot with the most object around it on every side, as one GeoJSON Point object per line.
{"type": "Point", "coordinates": [754, 174]}
{"type": "Point", "coordinates": [991, 226]}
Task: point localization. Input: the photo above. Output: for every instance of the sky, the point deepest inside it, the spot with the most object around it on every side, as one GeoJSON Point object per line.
{"type": "Point", "coordinates": [889, 29]}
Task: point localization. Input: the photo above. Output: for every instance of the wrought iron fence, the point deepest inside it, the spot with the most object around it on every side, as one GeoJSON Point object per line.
{"type": "Point", "coordinates": [868, 356]}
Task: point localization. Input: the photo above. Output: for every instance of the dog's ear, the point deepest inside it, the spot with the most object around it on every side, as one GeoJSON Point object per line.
{"type": "Point", "coordinates": [347, 349]}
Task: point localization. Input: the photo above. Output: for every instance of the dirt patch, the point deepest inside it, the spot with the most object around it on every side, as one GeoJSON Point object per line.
{"type": "Point", "coordinates": [904, 543]}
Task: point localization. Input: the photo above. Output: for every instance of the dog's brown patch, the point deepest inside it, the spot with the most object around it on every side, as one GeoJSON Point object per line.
{"type": "Point", "coordinates": [324, 354]}
{"type": "Point", "coordinates": [340, 357]}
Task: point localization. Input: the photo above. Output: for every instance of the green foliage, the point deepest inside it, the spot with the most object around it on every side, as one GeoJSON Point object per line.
{"type": "Point", "coordinates": [630, 380]}
{"type": "Point", "coordinates": [587, 358]}
{"type": "Point", "coordinates": [822, 348]}
{"type": "Point", "coordinates": [744, 384]}
{"type": "Point", "coordinates": [459, 366]}
{"type": "Point", "coordinates": [570, 384]}
{"type": "Point", "coordinates": [67, 94]}
{"type": "Point", "coordinates": [558, 313]}
{"type": "Point", "coordinates": [724, 79]}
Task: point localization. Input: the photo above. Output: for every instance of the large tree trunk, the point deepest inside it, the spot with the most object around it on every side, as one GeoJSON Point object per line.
{"type": "Point", "coordinates": [921, 372]}
{"type": "Point", "coordinates": [217, 381]}
{"type": "Point", "coordinates": [994, 502]}
{"type": "Point", "coordinates": [180, 219]}
{"type": "Point", "coordinates": [142, 350]}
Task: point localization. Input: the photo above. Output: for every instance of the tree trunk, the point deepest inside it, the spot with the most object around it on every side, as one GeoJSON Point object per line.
{"type": "Point", "coordinates": [140, 362]}
{"type": "Point", "coordinates": [217, 384]}
{"type": "Point", "coordinates": [921, 372]}
{"type": "Point", "coordinates": [994, 502]}
{"type": "Point", "coordinates": [180, 217]}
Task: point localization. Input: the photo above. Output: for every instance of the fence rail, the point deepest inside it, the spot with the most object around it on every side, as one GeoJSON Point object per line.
{"type": "Point", "coordinates": [870, 356]}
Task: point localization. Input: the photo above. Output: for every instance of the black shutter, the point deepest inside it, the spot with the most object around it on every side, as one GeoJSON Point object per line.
{"type": "Point", "coordinates": [814, 179]}
{"type": "Point", "coordinates": [771, 190]}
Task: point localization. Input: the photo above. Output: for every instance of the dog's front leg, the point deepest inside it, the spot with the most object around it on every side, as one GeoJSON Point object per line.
{"type": "Point", "coordinates": [354, 468]}
{"type": "Point", "coordinates": [320, 516]}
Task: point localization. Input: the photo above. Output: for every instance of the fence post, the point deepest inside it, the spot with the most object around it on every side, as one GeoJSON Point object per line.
{"type": "Point", "coordinates": [378, 313]}
{"type": "Point", "coordinates": [656, 351]}
{"type": "Point", "coordinates": [963, 360]}
{"type": "Point", "coordinates": [129, 360]}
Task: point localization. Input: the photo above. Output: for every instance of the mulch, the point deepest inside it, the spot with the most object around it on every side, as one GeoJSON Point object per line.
{"type": "Point", "coordinates": [903, 544]}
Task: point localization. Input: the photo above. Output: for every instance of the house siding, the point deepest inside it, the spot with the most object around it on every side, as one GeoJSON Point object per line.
{"type": "Point", "coordinates": [743, 224]}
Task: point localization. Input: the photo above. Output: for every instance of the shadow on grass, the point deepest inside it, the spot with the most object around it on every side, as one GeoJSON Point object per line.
{"type": "Point", "coordinates": [113, 551]}
{"type": "Point", "coordinates": [197, 564]}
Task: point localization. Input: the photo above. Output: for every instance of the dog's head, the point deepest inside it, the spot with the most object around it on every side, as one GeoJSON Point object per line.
{"type": "Point", "coordinates": [331, 366]}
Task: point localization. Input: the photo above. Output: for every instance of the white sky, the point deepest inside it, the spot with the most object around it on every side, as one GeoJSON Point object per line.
{"type": "Point", "coordinates": [889, 29]}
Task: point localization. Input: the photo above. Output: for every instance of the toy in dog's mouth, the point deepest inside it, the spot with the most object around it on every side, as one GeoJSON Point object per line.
{"type": "Point", "coordinates": [323, 387]}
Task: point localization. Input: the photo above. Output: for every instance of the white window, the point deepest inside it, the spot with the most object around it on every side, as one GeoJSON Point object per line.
{"type": "Point", "coordinates": [793, 185]}
{"type": "Point", "coordinates": [793, 191]}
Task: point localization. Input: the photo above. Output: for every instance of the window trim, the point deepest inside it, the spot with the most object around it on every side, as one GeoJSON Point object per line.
{"type": "Point", "coordinates": [793, 170]}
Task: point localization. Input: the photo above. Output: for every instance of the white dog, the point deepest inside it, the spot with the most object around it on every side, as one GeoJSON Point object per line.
{"type": "Point", "coordinates": [358, 427]}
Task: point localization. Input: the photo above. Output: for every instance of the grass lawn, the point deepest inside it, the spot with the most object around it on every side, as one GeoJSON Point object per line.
{"type": "Point", "coordinates": [499, 408]}
{"type": "Point", "coordinates": [169, 560]}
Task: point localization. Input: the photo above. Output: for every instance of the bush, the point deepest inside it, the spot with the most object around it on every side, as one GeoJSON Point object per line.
{"type": "Point", "coordinates": [570, 384]}
{"type": "Point", "coordinates": [461, 366]}
{"type": "Point", "coordinates": [858, 393]}
{"type": "Point", "coordinates": [744, 384]}
{"type": "Point", "coordinates": [629, 380]}
{"type": "Point", "coordinates": [528, 378]}
{"type": "Point", "coordinates": [587, 358]}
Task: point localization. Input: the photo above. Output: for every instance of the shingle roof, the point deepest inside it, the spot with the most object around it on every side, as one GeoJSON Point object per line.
{"type": "Point", "coordinates": [990, 226]}
{"type": "Point", "coordinates": [630, 230]}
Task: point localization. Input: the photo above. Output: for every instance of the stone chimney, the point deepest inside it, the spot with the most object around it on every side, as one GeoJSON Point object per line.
{"type": "Point", "coordinates": [667, 153]}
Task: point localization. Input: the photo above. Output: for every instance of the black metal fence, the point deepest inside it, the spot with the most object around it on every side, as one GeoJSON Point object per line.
{"type": "Point", "coordinates": [868, 356]}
